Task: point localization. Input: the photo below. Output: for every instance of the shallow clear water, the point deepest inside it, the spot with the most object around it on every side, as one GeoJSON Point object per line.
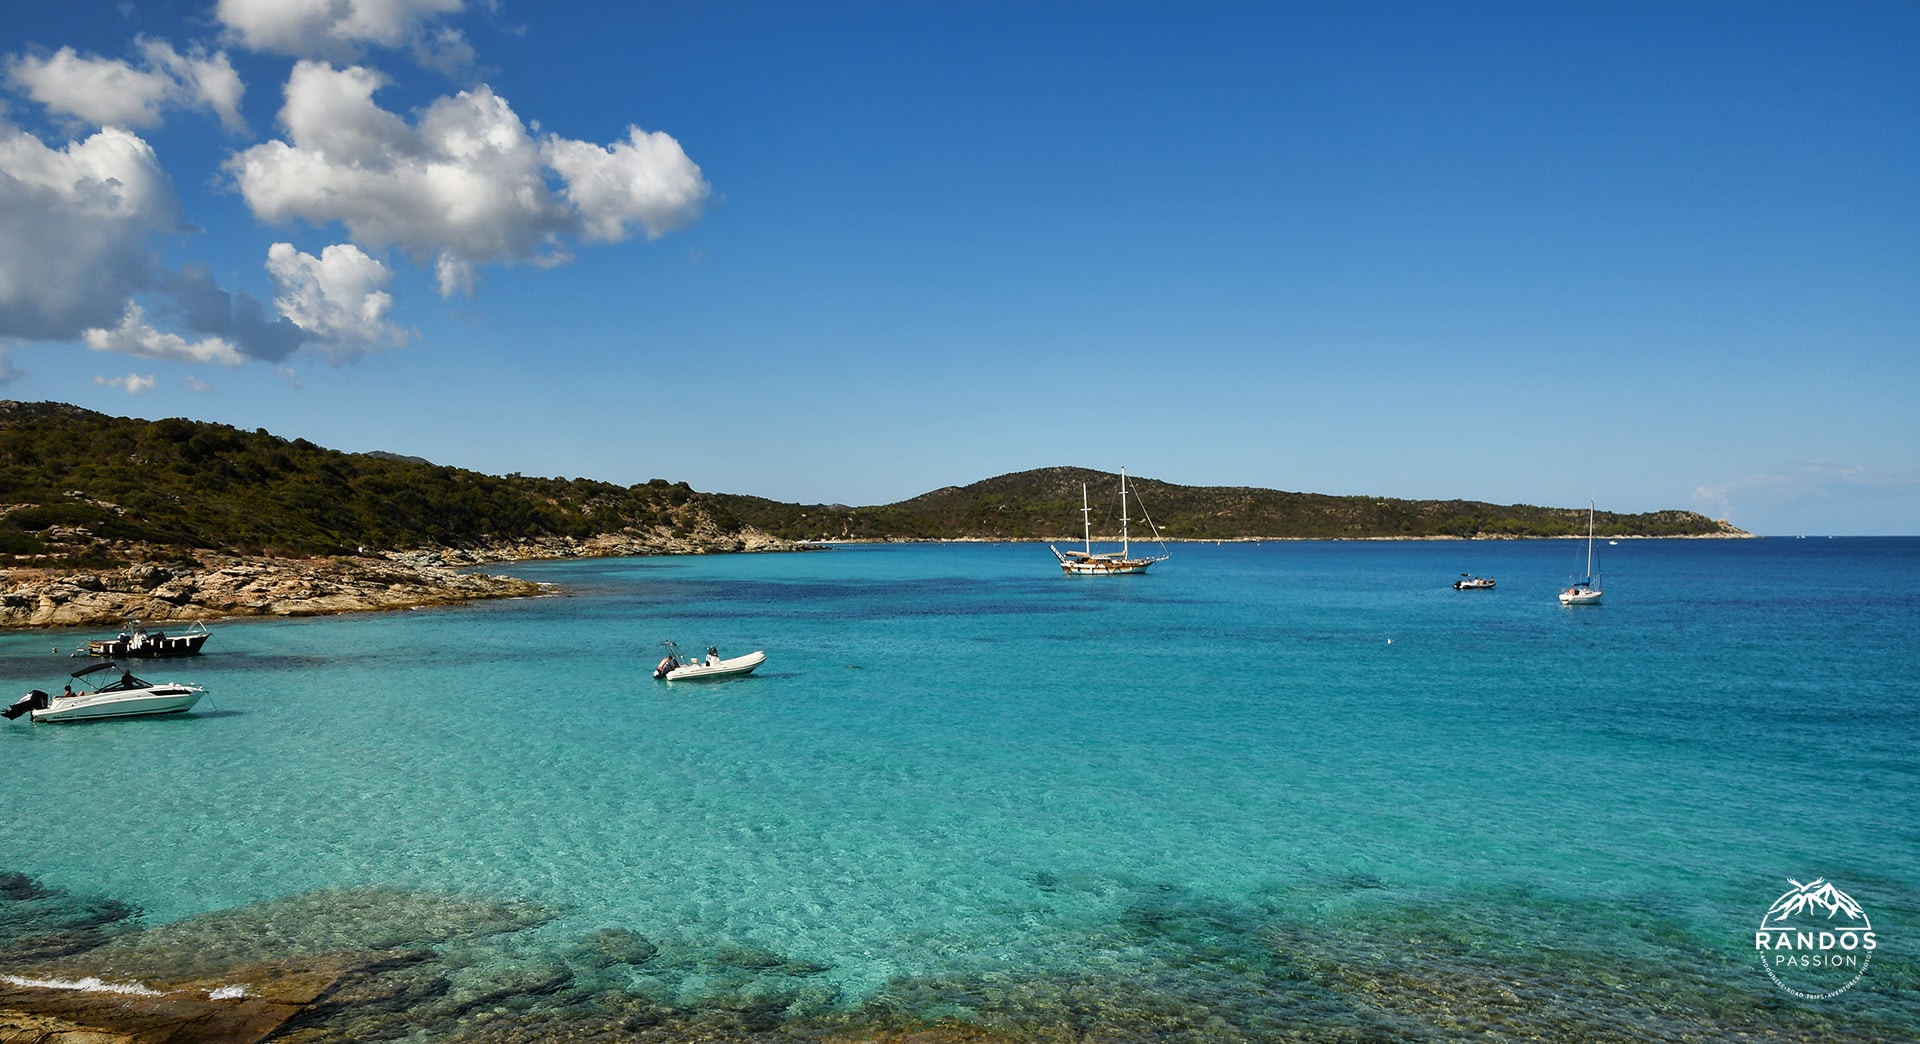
{"type": "Point", "coordinates": [960, 765]}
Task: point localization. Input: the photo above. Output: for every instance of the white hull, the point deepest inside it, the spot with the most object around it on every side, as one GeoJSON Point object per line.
{"type": "Point", "coordinates": [1580, 597]}
{"type": "Point", "coordinates": [1071, 562]}
{"type": "Point", "coordinates": [724, 669]}
{"type": "Point", "coordinates": [126, 703]}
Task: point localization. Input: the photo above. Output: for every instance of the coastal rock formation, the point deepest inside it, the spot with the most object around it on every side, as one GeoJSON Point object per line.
{"type": "Point", "coordinates": [207, 585]}
{"type": "Point", "coordinates": [223, 586]}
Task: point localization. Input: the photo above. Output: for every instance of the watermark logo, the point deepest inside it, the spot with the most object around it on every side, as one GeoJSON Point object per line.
{"type": "Point", "coordinates": [1815, 942]}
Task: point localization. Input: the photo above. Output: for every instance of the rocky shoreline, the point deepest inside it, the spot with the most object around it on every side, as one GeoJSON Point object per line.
{"type": "Point", "coordinates": [168, 587]}
{"type": "Point", "coordinates": [163, 586]}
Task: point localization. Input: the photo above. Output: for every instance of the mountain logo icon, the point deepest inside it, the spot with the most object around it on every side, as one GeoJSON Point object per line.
{"type": "Point", "coordinates": [1815, 941]}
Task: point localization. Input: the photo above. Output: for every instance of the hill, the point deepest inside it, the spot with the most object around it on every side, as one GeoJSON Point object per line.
{"type": "Point", "coordinates": [1044, 504]}
{"type": "Point", "coordinates": [80, 489]}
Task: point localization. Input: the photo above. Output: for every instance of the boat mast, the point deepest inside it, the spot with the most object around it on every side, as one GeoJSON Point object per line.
{"type": "Point", "coordinates": [1589, 540]}
{"type": "Point", "coordinates": [1123, 514]}
{"type": "Point", "coordinates": [1086, 518]}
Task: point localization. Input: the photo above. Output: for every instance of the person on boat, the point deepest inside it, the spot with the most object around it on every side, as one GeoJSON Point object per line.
{"type": "Point", "coordinates": [713, 655]}
{"type": "Point", "coordinates": [68, 691]}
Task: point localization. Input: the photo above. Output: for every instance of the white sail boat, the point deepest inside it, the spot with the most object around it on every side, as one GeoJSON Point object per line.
{"type": "Point", "coordinates": [1109, 563]}
{"type": "Point", "coordinates": [1585, 591]}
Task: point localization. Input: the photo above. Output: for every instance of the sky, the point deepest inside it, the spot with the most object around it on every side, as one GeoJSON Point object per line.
{"type": "Point", "coordinates": [1658, 255]}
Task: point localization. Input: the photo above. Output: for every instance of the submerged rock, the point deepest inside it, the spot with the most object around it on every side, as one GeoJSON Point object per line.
{"type": "Point", "coordinates": [610, 946]}
{"type": "Point", "coordinates": [39, 924]}
{"type": "Point", "coordinates": [326, 921]}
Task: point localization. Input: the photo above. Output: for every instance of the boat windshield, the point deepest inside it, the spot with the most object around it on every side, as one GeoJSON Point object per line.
{"type": "Point", "coordinates": [126, 681]}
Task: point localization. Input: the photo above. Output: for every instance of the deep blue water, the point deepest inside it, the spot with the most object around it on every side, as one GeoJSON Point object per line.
{"type": "Point", "coordinates": [1314, 760]}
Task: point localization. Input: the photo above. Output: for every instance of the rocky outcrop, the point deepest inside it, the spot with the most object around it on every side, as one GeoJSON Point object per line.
{"type": "Point", "coordinates": [704, 538]}
{"type": "Point", "coordinates": [222, 586]}
{"type": "Point", "coordinates": [208, 586]}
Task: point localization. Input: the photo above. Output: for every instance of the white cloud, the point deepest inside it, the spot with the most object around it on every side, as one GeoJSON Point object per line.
{"type": "Point", "coordinates": [467, 185]}
{"type": "Point", "coordinates": [132, 384]}
{"type": "Point", "coordinates": [334, 29]}
{"type": "Point", "coordinates": [134, 337]}
{"type": "Point", "coordinates": [196, 385]}
{"type": "Point", "coordinates": [339, 298]}
{"type": "Point", "coordinates": [75, 225]}
{"type": "Point", "coordinates": [110, 92]}
{"type": "Point", "coordinates": [647, 178]}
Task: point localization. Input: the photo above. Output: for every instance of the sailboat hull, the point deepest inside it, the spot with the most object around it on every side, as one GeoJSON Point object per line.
{"type": "Point", "coordinates": [1095, 566]}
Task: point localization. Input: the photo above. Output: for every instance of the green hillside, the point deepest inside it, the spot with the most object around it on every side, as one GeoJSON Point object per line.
{"type": "Point", "coordinates": [79, 488]}
{"type": "Point", "coordinates": [1045, 503]}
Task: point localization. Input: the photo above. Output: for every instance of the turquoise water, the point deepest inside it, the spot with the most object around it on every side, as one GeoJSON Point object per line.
{"type": "Point", "coordinates": [1278, 788]}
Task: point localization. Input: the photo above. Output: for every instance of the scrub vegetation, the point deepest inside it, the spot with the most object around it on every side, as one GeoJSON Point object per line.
{"type": "Point", "coordinates": [1045, 504]}
{"type": "Point", "coordinates": [83, 489]}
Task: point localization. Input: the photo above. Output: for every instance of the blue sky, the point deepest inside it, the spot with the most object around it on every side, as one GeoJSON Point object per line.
{"type": "Point", "coordinates": [1665, 255]}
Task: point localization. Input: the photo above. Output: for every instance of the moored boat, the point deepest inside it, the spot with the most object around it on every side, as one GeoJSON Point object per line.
{"type": "Point", "coordinates": [673, 668]}
{"type": "Point", "coordinates": [1586, 590]}
{"type": "Point", "coordinates": [1089, 562]}
{"type": "Point", "coordinates": [1469, 582]}
{"type": "Point", "coordinates": [126, 697]}
{"type": "Point", "coordinates": [136, 640]}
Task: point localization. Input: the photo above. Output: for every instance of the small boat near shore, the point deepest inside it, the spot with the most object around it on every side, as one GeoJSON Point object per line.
{"type": "Point", "coordinates": [126, 697]}
{"type": "Point", "coordinates": [1469, 582]}
{"type": "Point", "coordinates": [136, 640]}
{"type": "Point", "coordinates": [711, 666]}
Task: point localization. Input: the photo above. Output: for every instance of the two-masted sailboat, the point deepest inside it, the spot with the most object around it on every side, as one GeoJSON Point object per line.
{"type": "Point", "coordinates": [1107, 563]}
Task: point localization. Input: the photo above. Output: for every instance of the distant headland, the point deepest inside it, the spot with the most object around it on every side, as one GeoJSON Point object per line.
{"type": "Point", "coordinates": [104, 518]}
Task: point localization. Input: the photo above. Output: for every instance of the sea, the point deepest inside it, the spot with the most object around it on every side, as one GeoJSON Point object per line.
{"type": "Point", "coordinates": [1285, 790]}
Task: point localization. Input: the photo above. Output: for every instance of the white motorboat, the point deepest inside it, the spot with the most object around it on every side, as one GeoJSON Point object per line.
{"type": "Point", "coordinates": [1089, 562]}
{"type": "Point", "coordinates": [1469, 582]}
{"type": "Point", "coordinates": [673, 668]}
{"type": "Point", "coordinates": [125, 697]}
{"type": "Point", "coordinates": [1585, 591]}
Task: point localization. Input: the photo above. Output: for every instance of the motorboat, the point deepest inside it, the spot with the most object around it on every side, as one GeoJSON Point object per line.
{"type": "Point", "coordinates": [673, 668]}
{"type": "Point", "coordinates": [136, 640]}
{"type": "Point", "coordinates": [1088, 562]}
{"type": "Point", "coordinates": [1585, 591]}
{"type": "Point", "coordinates": [125, 697]}
{"type": "Point", "coordinates": [1469, 582]}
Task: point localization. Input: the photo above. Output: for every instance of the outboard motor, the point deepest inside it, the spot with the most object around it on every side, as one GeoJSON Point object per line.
{"type": "Point", "coordinates": [33, 701]}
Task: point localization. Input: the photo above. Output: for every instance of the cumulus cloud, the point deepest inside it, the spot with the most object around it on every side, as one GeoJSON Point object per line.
{"type": "Point", "coordinates": [110, 92]}
{"type": "Point", "coordinates": [75, 225]}
{"type": "Point", "coordinates": [132, 384]}
{"type": "Point", "coordinates": [339, 298]}
{"type": "Point", "coordinates": [647, 178]}
{"type": "Point", "coordinates": [134, 337]}
{"type": "Point", "coordinates": [203, 307]}
{"type": "Point", "coordinates": [337, 29]}
{"type": "Point", "coordinates": [466, 185]}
